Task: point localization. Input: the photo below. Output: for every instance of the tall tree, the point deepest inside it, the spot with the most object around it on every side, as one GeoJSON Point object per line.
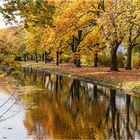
{"type": "Point", "coordinates": [113, 29]}
{"type": "Point", "coordinates": [132, 38]}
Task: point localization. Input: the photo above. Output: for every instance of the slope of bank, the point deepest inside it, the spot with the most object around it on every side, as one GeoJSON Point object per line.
{"type": "Point", "coordinates": [126, 80]}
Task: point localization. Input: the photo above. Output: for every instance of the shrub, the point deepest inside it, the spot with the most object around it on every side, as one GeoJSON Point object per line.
{"type": "Point", "coordinates": [18, 58]}
{"type": "Point", "coordinates": [9, 62]}
{"type": "Point", "coordinates": [121, 60]}
{"type": "Point", "coordinates": [135, 61]}
{"type": "Point", "coordinates": [67, 59]}
{"type": "Point", "coordinates": [87, 60]}
{"type": "Point", "coordinates": [105, 60]}
{"type": "Point", "coordinates": [16, 73]}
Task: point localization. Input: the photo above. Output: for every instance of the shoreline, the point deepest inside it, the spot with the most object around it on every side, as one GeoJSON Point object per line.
{"type": "Point", "coordinates": [102, 81]}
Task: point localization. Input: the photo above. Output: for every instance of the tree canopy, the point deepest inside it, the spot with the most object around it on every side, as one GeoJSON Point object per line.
{"type": "Point", "coordinates": [78, 28]}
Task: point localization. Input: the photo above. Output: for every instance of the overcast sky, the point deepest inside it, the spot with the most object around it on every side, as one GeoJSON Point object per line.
{"type": "Point", "coordinates": [2, 24]}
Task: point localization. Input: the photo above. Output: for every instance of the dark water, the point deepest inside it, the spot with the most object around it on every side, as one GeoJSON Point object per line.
{"type": "Point", "coordinates": [67, 108]}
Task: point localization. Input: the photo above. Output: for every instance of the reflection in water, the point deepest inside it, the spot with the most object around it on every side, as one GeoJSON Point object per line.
{"type": "Point", "coordinates": [69, 108]}
{"type": "Point", "coordinates": [127, 117]}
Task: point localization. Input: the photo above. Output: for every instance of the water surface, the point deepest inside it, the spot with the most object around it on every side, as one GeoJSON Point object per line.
{"type": "Point", "coordinates": [59, 107]}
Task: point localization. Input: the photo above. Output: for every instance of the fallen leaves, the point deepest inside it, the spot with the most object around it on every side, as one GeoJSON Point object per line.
{"type": "Point", "coordinates": [99, 72]}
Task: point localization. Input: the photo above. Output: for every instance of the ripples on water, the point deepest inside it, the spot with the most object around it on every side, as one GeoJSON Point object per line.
{"type": "Point", "coordinates": [67, 108]}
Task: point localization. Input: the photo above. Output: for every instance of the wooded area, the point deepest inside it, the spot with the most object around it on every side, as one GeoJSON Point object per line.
{"type": "Point", "coordinates": [74, 31]}
{"type": "Point", "coordinates": [70, 69]}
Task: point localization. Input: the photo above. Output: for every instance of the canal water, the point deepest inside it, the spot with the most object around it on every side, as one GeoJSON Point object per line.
{"type": "Point", "coordinates": [50, 106]}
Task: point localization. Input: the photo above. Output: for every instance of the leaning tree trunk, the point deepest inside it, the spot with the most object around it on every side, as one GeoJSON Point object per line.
{"type": "Point", "coordinates": [129, 58]}
{"type": "Point", "coordinates": [114, 64]}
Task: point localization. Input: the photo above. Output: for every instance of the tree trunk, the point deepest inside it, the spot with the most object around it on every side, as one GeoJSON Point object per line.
{"type": "Point", "coordinates": [78, 61]}
{"type": "Point", "coordinates": [73, 48]}
{"type": "Point", "coordinates": [77, 49]}
{"type": "Point", "coordinates": [114, 64]}
{"type": "Point", "coordinates": [57, 58]}
{"type": "Point", "coordinates": [74, 61]}
{"type": "Point", "coordinates": [129, 58]}
{"type": "Point", "coordinates": [96, 60]}
{"type": "Point", "coordinates": [45, 57]}
{"type": "Point", "coordinates": [60, 57]}
{"type": "Point", "coordinates": [36, 58]}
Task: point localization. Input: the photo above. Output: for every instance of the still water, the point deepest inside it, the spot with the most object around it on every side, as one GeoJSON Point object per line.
{"type": "Point", "coordinates": [59, 107]}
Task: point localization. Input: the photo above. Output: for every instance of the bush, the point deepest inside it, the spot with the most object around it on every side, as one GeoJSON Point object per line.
{"type": "Point", "coordinates": [67, 59]}
{"type": "Point", "coordinates": [18, 58]}
{"type": "Point", "coordinates": [135, 61]}
{"type": "Point", "coordinates": [9, 62]}
{"type": "Point", "coordinates": [87, 60]}
{"type": "Point", "coordinates": [16, 73]}
{"type": "Point", "coordinates": [105, 60]}
{"type": "Point", "coordinates": [121, 60]}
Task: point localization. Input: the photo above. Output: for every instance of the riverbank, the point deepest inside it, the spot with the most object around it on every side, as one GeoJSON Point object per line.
{"type": "Point", "coordinates": [126, 80]}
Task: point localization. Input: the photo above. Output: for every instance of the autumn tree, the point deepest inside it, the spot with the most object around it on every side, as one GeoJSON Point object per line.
{"type": "Point", "coordinates": [33, 14]}
{"type": "Point", "coordinates": [77, 27]}
{"type": "Point", "coordinates": [113, 29]}
{"type": "Point", "coordinates": [132, 38]}
{"type": "Point", "coordinates": [10, 40]}
{"type": "Point", "coordinates": [75, 22]}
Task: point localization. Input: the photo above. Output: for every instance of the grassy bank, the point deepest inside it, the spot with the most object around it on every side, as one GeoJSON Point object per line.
{"type": "Point", "coordinates": [128, 81]}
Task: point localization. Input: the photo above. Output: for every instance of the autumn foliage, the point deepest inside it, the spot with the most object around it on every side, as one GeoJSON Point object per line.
{"type": "Point", "coordinates": [52, 30]}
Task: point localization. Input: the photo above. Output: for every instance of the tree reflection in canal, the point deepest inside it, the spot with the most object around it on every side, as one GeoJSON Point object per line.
{"type": "Point", "coordinates": [69, 108]}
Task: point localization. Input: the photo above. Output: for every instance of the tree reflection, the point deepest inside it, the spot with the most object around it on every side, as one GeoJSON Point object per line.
{"type": "Point", "coordinates": [73, 109]}
{"type": "Point", "coordinates": [95, 91]}
{"type": "Point", "coordinates": [56, 84]}
{"type": "Point", "coordinates": [129, 135]}
{"type": "Point", "coordinates": [113, 110]}
{"type": "Point", "coordinates": [75, 89]}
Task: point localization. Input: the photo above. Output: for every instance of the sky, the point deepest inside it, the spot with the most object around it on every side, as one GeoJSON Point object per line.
{"type": "Point", "coordinates": [2, 23]}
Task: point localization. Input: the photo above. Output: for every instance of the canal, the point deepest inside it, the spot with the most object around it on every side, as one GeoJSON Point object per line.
{"type": "Point", "coordinates": [50, 106]}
